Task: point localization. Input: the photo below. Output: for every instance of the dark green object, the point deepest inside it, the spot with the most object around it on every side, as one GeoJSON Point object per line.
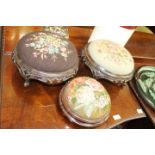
{"type": "Point", "coordinates": [145, 82]}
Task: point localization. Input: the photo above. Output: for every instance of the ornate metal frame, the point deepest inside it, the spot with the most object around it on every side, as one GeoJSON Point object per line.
{"type": "Point", "coordinates": [100, 73]}
{"type": "Point", "coordinates": [29, 73]}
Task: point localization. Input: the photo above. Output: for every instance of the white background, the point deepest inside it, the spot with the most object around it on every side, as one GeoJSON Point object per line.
{"type": "Point", "coordinates": [81, 142]}
{"type": "Point", "coordinates": [77, 13]}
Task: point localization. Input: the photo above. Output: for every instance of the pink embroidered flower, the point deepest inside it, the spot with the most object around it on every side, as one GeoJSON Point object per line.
{"type": "Point", "coordinates": [63, 49]}
{"type": "Point", "coordinates": [48, 46]}
{"type": "Point", "coordinates": [95, 85]}
{"type": "Point", "coordinates": [69, 97]}
{"type": "Point", "coordinates": [71, 85]}
{"type": "Point", "coordinates": [79, 80]}
{"type": "Point", "coordinates": [35, 55]}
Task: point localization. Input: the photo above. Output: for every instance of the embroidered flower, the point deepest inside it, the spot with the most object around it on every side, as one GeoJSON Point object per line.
{"type": "Point", "coordinates": [48, 45]}
{"type": "Point", "coordinates": [87, 97]}
{"type": "Point", "coordinates": [93, 84]}
{"type": "Point", "coordinates": [35, 55]}
{"type": "Point", "coordinates": [102, 102]}
{"type": "Point", "coordinates": [113, 52]}
{"type": "Point", "coordinates": [61, 30]}
{"type": "Point", "coordinates": [63, 49]}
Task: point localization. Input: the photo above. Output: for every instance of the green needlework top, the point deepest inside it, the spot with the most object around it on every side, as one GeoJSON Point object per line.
{"type": "Point", "coordinates": [147, 84]}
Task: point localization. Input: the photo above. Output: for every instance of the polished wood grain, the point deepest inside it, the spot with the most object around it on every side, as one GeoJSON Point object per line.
{"type": "Point", "coordinates": [142, 45]}
{"type": "Point", "coordinates": [0, 37]}
{"type": "Point", "coordinates": [37, 106]}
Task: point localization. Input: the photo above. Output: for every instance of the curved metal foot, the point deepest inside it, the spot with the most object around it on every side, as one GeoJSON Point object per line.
{"type": "Point", "coordinates": [26, 83]}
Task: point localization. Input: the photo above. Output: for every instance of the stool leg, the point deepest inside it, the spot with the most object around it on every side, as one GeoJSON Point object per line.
{"type": "Point", "coordinates": [26, 83]}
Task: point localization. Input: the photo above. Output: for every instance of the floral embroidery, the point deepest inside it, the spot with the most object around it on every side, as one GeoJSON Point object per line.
{"type": "Point", "coordinates": [47, 45]}
{"type": "Point", "coordinates": [113, 52]}
{"type": "Point", "coordinates": [61, 30]}
{"type": "Point", "coordinates": [87, 95]}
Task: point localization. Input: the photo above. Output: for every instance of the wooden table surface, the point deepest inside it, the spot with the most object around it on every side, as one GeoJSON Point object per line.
{"type": "Point", "coordinates": [37, 105]}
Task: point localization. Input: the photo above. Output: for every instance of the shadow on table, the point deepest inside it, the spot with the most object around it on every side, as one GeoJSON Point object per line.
{"type": "Point", "coordinates": [143, 123]}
